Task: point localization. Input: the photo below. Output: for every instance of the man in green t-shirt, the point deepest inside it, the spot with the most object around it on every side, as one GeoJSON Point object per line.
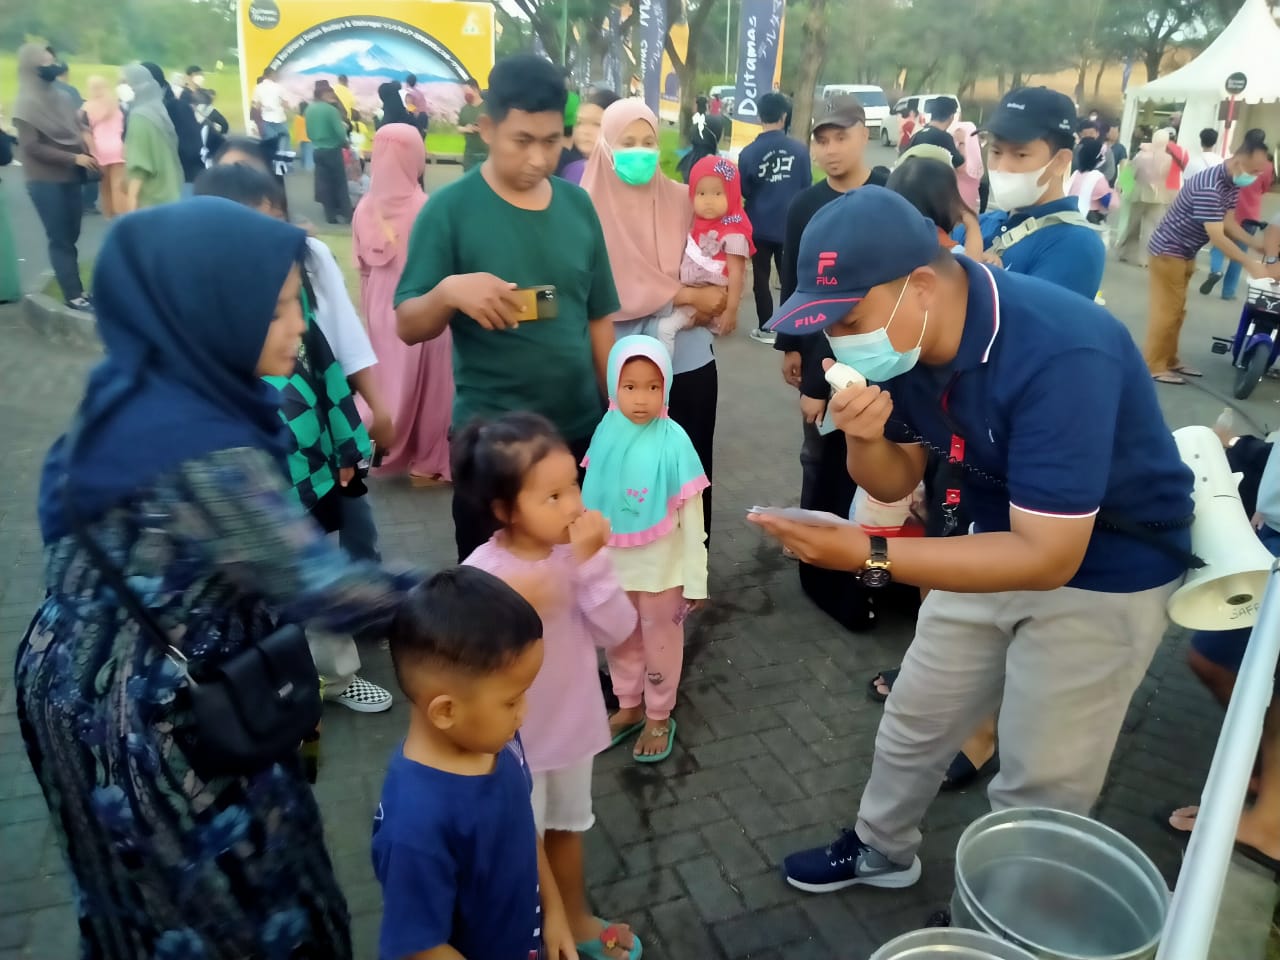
{"type": "Point", "coordinates": [474, 148]}
{"type": "Point", "coordinates": [506, 226]}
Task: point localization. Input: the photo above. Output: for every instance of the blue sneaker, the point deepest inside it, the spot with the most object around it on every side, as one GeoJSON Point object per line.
{"type": "Point", "coordinates": [846, 863]}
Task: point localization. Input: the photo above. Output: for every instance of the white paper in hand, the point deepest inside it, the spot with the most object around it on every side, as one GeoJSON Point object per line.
{"type": "Point", "coordinates": [810, 518]}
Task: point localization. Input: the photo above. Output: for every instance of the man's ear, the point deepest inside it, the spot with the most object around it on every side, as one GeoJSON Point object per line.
{"type": "Point", "coordinates": [924, 282]}
{"type": "Point", "coordinates": [442, 711]}
{"type": "Point", "coordinates": [487, 131]}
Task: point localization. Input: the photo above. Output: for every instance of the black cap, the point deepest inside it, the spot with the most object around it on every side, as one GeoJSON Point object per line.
{"type": "Point", "coordinates": [1033, 113]}
{"type": "Point", "coordinates": [844, 111]}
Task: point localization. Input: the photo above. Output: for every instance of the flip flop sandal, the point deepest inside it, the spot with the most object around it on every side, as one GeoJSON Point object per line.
{"type": "Point", "coordinates": [962, 773]}
{"type": "Point", "coordinates": [599, 948]}
{"type": "Point", "coordinates": [1161, 817]}
{"type": "Point", "coordinates": [888, 678]}
{"type": "Point", "coordinates": [1168, 378]}
{"type": "Point", "coordinates": [626, 733]}
{"type": "Point", "coordinates": [670, 733]}
{"type": "Point", "coordinates": [1188, 371]}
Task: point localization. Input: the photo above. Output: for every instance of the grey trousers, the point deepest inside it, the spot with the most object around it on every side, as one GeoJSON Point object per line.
{"type": "Point", "coordinates": [1066, 662]}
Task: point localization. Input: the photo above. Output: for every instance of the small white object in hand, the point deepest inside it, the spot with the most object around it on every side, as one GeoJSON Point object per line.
{"type": "Point", "coordinates": [841, 375]}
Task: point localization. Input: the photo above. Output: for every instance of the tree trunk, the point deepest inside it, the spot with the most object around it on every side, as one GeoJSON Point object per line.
{"type": "Point", "coordinates": [813, 32]}
{"type": "Point", "coordinates": [1017, 80]}
{"type": "Point", "coordinates": [1097, 78]}
{"type": "Point", "coordinates": [1080, 74]}
{"type": "Point", "coordinates": [1001, 88]}
{"type": "Point", "coordinates": [1152, 57]}
{"type": "Point", "coordinates": [687, 69]}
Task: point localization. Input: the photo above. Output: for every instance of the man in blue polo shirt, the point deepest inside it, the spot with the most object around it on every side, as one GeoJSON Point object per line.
{"type": "Point", "coordinates": [1081, 510]}
{"type": "Point", "coordinates": [1038, 229]}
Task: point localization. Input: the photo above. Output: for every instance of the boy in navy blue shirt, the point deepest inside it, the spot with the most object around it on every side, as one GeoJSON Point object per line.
{"type": "Point", "coordinates": [1081, 506]}
{"type": "Point", "coordinates": [775, 169]}
{"type": "Point", "coordinates": [1038, 229]}
{"type": "Point", "coordinates": [462, 869]}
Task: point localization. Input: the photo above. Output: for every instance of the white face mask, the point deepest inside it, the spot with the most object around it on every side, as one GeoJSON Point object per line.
{"type": "Point", "coordinates": [124, 93]}
{"type": "Point", "coordinates": [1015, 191]}
{"type": "Point", "coordinates": [198, 80]}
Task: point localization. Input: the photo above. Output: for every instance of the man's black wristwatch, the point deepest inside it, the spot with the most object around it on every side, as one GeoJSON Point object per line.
{"type": "Point", "coordinates": [875, 572]}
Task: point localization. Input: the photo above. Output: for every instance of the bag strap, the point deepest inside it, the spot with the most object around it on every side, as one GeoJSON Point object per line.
{"type": "Point", "coordinates": [956, 469]}
{"type": "Point", "coordinates": [148, 626]}
{"type": "Point", "coordinates": [1003, 241]}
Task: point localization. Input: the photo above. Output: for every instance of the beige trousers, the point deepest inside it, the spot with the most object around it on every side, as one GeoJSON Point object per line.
{"type": "Point", "coordinates": [1066, 662]}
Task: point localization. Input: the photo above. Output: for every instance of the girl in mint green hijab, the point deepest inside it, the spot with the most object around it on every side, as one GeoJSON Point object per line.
{"type": "Point", "coordinates": [645, 477]}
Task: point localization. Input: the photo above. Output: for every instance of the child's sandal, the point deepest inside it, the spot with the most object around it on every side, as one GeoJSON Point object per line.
{"type": "Point", "coordinates": [668, 731]}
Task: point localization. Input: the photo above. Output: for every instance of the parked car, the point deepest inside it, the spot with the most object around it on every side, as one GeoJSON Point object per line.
{"type": "Point", "coordinates": [872, 98]}
{"type": "Point", "coordinates": [891, 132]}
{"type": "Point", "coordinates": [728, 94]}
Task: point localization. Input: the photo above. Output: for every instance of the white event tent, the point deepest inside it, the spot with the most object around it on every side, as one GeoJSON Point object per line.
{"type": "Point", "coordinates": [1250, 44]}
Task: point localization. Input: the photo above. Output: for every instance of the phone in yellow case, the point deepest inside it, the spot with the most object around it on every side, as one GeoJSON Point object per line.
{"type": "Point", "coordinates": [537, 303]}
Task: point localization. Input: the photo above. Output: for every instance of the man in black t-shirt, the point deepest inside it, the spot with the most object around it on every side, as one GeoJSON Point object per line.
{"type": "Point", "coordinates": [942, 114]}
{"type": "Point", "coordinates": [838, 146]}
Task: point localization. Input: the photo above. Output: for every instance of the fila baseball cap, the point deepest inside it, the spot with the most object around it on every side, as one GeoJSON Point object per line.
{"type": "Point", "coordinates": [865, 238]}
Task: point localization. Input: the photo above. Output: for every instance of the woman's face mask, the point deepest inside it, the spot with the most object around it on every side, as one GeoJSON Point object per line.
{"type": "Point", "coordinates": [873, 354]}
{"type": "Point", "coordinates": [49, 72]}
{"type": "Point", "coordinates": [635, 165]}
{"type": "Point", "coordinates": [124, 92]}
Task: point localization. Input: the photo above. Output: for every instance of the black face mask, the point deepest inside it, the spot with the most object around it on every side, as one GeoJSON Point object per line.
{"type": "Point", "coordinates": [50, 72]}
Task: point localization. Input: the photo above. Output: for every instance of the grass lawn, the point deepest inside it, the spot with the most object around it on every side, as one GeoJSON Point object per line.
{"type": "Point", "coordinates": [226, 83]}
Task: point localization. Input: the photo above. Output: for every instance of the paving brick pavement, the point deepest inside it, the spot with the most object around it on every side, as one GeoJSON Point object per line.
{"type": "Point", "coordinates": [775, 731]}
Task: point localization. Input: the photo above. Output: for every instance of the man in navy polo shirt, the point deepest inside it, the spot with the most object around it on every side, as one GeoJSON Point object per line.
{"type": "Point", "coordinates": [1043, 398]}
{"type": "Point", "coordinates": [1038, 229]}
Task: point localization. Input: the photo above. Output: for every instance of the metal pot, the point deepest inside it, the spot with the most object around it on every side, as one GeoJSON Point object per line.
{"type": "Point", "coordinates": [1059, 885]}
{"type": "Point", "coordinates": [949, 944]}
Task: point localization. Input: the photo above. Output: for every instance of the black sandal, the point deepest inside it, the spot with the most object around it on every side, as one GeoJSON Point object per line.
{"type": "Point", "coordinates": [887, 677]}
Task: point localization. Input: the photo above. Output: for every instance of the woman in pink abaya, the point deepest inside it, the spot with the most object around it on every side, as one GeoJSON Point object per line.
{"type": "Point", "coordinates": [417, 381]}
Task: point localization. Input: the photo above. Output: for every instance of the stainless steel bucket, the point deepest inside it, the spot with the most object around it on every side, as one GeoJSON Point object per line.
{"type": "Point", "coordinates": [949, 944]}
{"type": "Point", "coordinates": [1062, 886]}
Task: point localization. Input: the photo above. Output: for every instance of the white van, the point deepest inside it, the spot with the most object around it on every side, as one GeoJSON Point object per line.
{"type": "Point", "coordinates": [891, 133]}
{"type": "Point", "coordinates": [873, 101]}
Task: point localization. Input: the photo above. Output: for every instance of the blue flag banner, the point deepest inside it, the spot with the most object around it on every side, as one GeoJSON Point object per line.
{"type": "Point", "coordinates": [759, 41]}
{"type": "Point", "coordinates": [653, 34]}
{"type": "Point", "coordinates": [1128, 69]}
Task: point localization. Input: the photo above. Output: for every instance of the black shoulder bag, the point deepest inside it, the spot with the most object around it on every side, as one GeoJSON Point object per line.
{"type": "Point", "coordinates": [251, 709]}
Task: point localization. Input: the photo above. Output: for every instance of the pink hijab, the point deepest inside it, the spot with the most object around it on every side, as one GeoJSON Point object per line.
{"type": "Point", "coordinates": [645, 227]}
{"type": "Point", "coordinates": [385, 216]}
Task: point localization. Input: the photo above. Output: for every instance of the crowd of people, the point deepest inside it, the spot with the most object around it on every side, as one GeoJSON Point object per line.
{"type": "Point", "coordinates": [209, 537]}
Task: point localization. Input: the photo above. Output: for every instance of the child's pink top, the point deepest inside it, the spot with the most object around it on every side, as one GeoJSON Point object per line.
{"type": "Point", "coordinates": [566, 720]}
{"type": "Point", "coordinates": [108, 138]}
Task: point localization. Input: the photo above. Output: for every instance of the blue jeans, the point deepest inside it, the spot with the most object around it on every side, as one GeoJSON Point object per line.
{"type": "Point", "coordinates": [306, 158]}
{"type": "Point", "coordinates": [60, 206]}
{"type": "Point", "coordinates": [277, 132]}
{"type": "Point", "coordinates": [1231, 278]}
{"type": "Point", "coordinates": [358, 535]}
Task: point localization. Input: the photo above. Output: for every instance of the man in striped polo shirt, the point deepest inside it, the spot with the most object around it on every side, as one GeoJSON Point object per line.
{"type": "Point", "coordinates": [1200, 214]}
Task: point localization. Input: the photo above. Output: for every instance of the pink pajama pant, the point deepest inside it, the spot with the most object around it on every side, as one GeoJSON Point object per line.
{"type": "Point", "coordinates": [646, 666]}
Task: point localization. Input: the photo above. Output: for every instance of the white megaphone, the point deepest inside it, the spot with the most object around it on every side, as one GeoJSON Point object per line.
{"type": "Point", "coordinates": [1226, 593]}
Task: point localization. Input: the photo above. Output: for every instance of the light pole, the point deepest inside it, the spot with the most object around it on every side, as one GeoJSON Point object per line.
{"type": "Point", "coordinates": [728, 19]}
{"type": "Point", "coordinates": [564, 35]}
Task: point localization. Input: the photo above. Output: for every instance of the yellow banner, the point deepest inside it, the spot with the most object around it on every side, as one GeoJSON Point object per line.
{"type": "Point", "coordinates": [443, 43]}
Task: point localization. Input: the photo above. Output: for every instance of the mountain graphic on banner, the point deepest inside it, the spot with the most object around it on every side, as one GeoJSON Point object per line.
{"type": "Point", "coordinates": [359, 58]}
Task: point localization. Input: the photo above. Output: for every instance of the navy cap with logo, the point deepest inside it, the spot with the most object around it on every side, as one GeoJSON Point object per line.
{"type": "Point", "coordinates": [867, 237]}
{"type": "Point", "coordinates": [1033, 113]}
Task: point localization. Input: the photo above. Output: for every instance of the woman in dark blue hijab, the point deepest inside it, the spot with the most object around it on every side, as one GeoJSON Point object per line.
{"type": "Point", "coordinates": [173, 466]}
